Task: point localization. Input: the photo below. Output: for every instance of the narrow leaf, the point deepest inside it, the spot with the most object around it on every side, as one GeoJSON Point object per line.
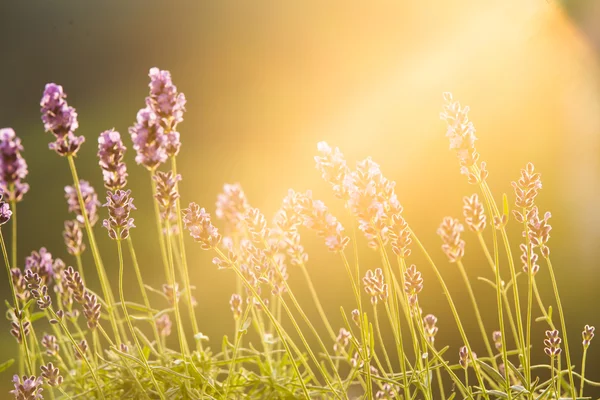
{"type": "Point", "coordinates": [6, 365]}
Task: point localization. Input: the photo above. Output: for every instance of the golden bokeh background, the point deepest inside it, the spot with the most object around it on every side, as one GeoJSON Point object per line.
{"type": "Point", "coordinates": [266, 81]}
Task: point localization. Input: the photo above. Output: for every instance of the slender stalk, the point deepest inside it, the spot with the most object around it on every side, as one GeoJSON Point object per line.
{"type": "Point", "coordinates": [542, 307]}
{"type": "Point", "coordinates": [13, 208]}
{"type": "Point", "coordinates": [159, 228]}
{"type": "Point", "coordinates": [401, 356]}
{"type": "Point", "coordinates": [180, 333]}
{"type": "Point", "coordinates": [130, 325]}
{"type": "Point", "coordinates": [315, 297]}
{"type": "Point", "coordinates": [18, 314]}
{"type": "Point", "coordinates": [381, 342]}
{"type": "Point", "coordinates": [238, 339]}
{"type": "Point", "coordinates": [499, 297]}
{"type": "Point", "coordinates": [486, 341]}
{"type": "Point", "coordinates": [455, 313]}
{"type": "Point", "coordinates": [277, 327]}
{"type": "Point", "coordinates": [563, 326]}
{"type": "Point", "coordinates": [494, 210]}
{"type": "Point", "coordinates": [553, 379]}
{"type": "Point", "coordinates": [186, 274]}
{"type": "Point", "coordinates": [104, 283]}
{"type": "Point", "coordinates": [583, 359]}
{"type": "Point", "coordinates": [138, 275]}
{"type": "Point", "coordinates": [79, 351]}
{"type": "Point", "coordinates": [438, 374]}
{"type": "Point", "coordinates": [511, 320]}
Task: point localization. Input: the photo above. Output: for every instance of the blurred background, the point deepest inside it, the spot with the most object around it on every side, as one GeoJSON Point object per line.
{"type": "Point", "coordinates": [266, 81]}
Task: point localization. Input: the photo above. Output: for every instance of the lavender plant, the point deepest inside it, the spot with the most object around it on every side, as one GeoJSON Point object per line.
{"type": "Point", "coordinates": [83, 358]}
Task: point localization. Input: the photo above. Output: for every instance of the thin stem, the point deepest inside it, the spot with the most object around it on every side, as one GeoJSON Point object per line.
{"type": "Point", "coordinates": [315, 297]}
{"type": "Point", "coordinates": [79, 351]}
{"type": "Point", "coordinates": [511, 320]}
{"type": "Point", "coordinates": [238, 339]}
{"type": "Point", "coordinates": [180, 333]}
{"type": "Point", "coordinates": [271, 317]}
{"type": "Point", "coordinates": [499, 293]}
{"type": "Point", "coordinates": [401, 356]}
{"type": "Point", "coordinates": [186, 276]}
{"type": "Point", "coordinates": [454, 312]}
{"type": "Point", "coordinates": [18, 314]}
{"type": "Point", "coordinates": [159, 229]}
{"type": "Point", "coordinates": [382, 343]}
{"type": "Point", "coordinates": [104, 283]}
{"type": "Point", "coordinates": [583, 358]}
{"type": "Point", "coordinates": [563, 326]}
{"type": "Point", "coordinates": [486, 341]}
{"type": "Point", "coordinates": [542, 307]}
{"type": "Point", "coordinates": [13, 207]}
{"type": "Point", "coordinates": [129, 324]}
{"type": "Point", "coordinates": [138, 275]}
{"type": "Point", "coordinates": [438, 374]}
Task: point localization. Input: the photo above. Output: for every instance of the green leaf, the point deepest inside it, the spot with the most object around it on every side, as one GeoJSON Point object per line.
{"type": "Point", "coordinates": [501, 395]}
{"type": "Point", "coordinates": [36, 315]}
{"type": "Point", "coordinates": [140, 307]}
{"type": "Point", "coordinates": [550, 313]}
{"type": "Point", "coordinates": [6, 365]}
{"type": "Point", "coordinates": [516, 371]}
{"type": "Point", "coordinates": [495, 375]}
{"type": "Point", "coordinates": [245, 325]}
{"type": "Point", "coordinates": [492, 284]}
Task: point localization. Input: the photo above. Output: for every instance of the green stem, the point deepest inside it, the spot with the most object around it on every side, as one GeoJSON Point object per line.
{"type": "Point", "coordinates": [18, 314]}
{"type": "Point", "coordinates": [80, 267]}
{"type": "Point", "coordinates": [454, 312]}
{"type": "Point", "coordinates": [381, 342]}
{"type": "Point", "coordinates": [79, 351]}
{"type": "Point", "coordinates": [583, 358]}
{"type": "Point", "coordinates": [104, 283]}
{"type": "Point", "coordinates": [238, 339]}
{"type": "Point", "coordinates": [271, 317]}
{"type": "Point", "coordinates": [129, 324]}
{"type": "Point", "coordinates": [13, 207]}
{"type": "Point", "coordinates": [438, 374]}
{"type": "Point", "coordinates": [161, 240]}
{"type": "Point", "coordinates": [563, 326]}
{"type": "Point", "coordinates": [315, 297]}
{"type": "Point", "coordinates": [486, 341]}
{"type": "Point", "coordinates": [186, 274]}
{"type": "Point", "coordinates": [503, 293]}
{"type": "Point", "coordinates": [180, 334]}
{"type": "Point", "coordinates": [138, 275]}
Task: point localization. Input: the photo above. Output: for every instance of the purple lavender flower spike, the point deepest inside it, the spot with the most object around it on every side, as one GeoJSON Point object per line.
{"type": "Point", "coordinates": [120, 204]}
{"type": "Point", "coordinates": [149, 139]}
{"type": "Point", "coordinates": [5, 212]}
{"type": "Point", "coordinates": [90, 199]}
{"type": "Point", "coordinates": [29, 388]}
{"type": "Point", "coordinates": [41, 263]}
{"type": "Point", "coordinates": [110, 152]}
{"type": "Point", "coordinates": [168, 104]}
{"type": "Point", "coordinates": [13, 167]}
{"type": "Point", "coordinates": [61, 120]}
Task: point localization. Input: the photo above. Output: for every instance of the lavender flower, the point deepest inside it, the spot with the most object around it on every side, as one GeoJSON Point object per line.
{"type": "Point", "coordinates": [110, 152]}
{"type": "Point", "coordinates": [334, 169]}
{"type": "Point", "coordinates": [526, 190]}
{"type": "Point", "coordinates": [13, 168]}
{"type": "Point", "coordinates": [375, 286]}
{"type": "Point", "coordinates": [166, 192]}
{"type": "Point", "coordinates": [552, 343]}
{"type": "Point", "coordinates": [318, 218]}
{"type": "Point", "coordinates": [342, 340]}
{"type": "Point", "coordinates": [474, 214]}
{"type": "Point", "coordinates": [19, 284]}
{"type": "Point", "coordinates": [453, 246]}
{"type": "Point", "coordinates": [60, 120]}
{"type": "Point", "coordinates": [41, 263]}
{"type": "Point", "coordinates": [74, 282]}
{"type": "Point", "coordinates": [73, 236]}
{"type": "Point", "coordinates": [120, 204]}
{"type": "Point", "coordinates": [90, 200]}
{"type": "Point", "coordinates": [430, 328]}
{"type": "Point", "coordinates": [413, 284]}
{"type": "Point", "coordinates": [27, 388]}
{"type": "Point", "coordinates": [463, 357]}
{"type": "Point", "coordinates": [168, 104]}
{"type": "Point", "coordinates": [50, 343]}
{"type": "Point", "coordinates": [588, 335]}
{"type": "Point", "coordinates": [497, 338]}
{"type": "Point", "coordinates": [163, 324]}
{"type": "Point", "coordinates": [232, 205]}
{"type": "Point", "coordinates": [539, 230]}
{"type": "Point", "coordinates": [5, 212]}
{"type": "Point", "coordinates": [81, 346]}
{"type": "Point", "coordinates": [149, 139]}
{"type": "Point", "coordinates": [197, 222]}
{"type": "Point", "coordinates": [51, 374]}
{"type": "Point", "coordinates": [235, 303]}
{"type": "Point", "coordinates": [16, 329]}
{"type": "Point", "coordinates": [91, 310]}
